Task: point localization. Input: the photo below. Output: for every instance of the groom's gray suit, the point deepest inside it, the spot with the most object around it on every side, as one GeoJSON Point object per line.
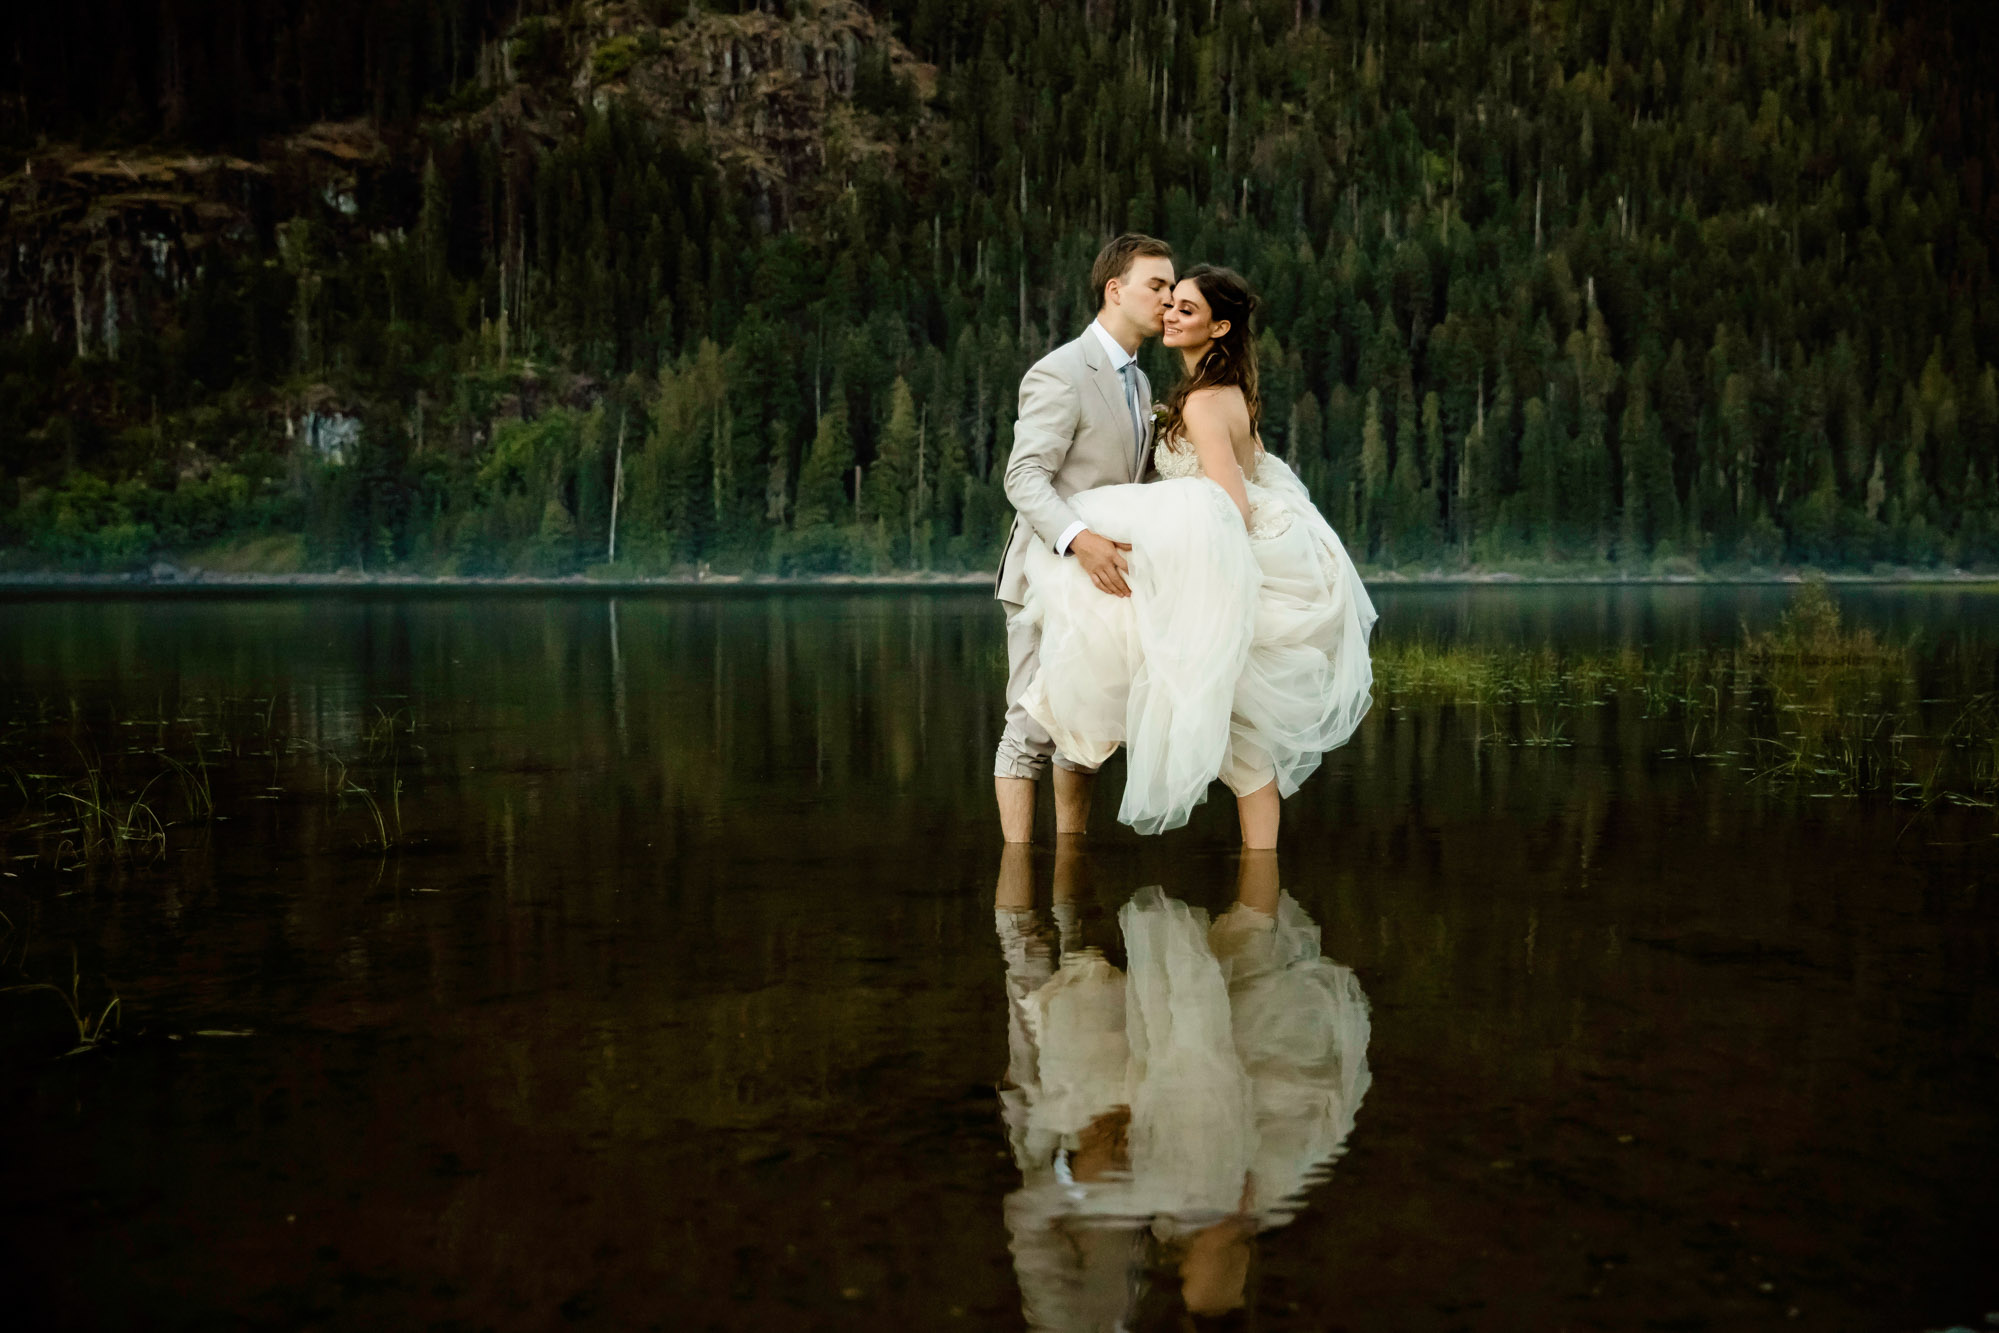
{"type": "Point", "coordinates": [1084, 422]}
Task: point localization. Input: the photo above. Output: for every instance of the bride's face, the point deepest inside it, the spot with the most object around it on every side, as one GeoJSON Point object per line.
{"type": "Point", "coordinates": [1190, 321]}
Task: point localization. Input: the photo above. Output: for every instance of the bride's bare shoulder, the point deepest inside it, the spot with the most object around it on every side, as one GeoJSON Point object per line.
{"type": "Point", "coordinates": [1220, 404]}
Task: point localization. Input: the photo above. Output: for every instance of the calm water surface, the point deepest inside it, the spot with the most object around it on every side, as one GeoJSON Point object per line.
{"type": "Point", "coordinates": [679, 1002]}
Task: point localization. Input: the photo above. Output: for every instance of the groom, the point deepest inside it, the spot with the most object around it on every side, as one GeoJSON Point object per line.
{"type": "Point", "coordinates": [1085, 413]}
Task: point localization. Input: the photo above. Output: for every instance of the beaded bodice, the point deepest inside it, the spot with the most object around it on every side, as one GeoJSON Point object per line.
{"type": "Point", "coordinates": [1174, 464]}
{"type": "Point", "coordinates": [1267, 518]}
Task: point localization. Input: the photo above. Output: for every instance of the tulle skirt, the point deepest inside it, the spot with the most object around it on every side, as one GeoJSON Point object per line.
{"type": "Point", "coordinates": [1307, 681]}
{"type": "Point", "coordinates": [1155, 672]}
{"type": "Point", "coordinates": [1239, 655]}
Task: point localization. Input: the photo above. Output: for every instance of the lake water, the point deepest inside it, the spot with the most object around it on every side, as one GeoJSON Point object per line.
{"type": "Point", "coordinates": [633, 964]}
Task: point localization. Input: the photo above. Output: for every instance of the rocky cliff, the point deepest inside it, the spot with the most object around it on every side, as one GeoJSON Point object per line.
{"type": "Point", "coordinates": [96, 243]}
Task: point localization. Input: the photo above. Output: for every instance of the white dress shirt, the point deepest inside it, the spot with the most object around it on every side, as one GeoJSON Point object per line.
{"type": "Point", "coordinates": [1119, 359]}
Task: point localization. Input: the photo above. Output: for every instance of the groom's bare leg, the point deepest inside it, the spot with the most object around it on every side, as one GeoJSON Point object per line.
{"type": "Point", "coordinates": [1016, 808]}
{"type": "Point", "coordinates": [1024, 747]}
{"type": "Point", "coordinates": [1066, 882]}
{"type": "Point", "coordinates": [1258, 812]}
{"type": "Point", "coordinates": [1014, 891]}
{"type": "Point", "coordinates": [1072, 799]}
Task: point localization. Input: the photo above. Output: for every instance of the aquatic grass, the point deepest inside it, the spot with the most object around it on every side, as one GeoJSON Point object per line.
{"type": "Point", "coordinates": [91, 1025]}
{"type": "Point", "coordinates": [1811, 705]}
{"type": "Point", "coordinates": [1810, 630]}
{"type": "Point", "coordinates": [339, 785]}
{"type": "Point", "coordinates": [1981, 744]}
{"type": "Point", "coordinates": [383, 840]}
{"type": "Point", "coordinates": [85, 796]}
{"type": "Point", "coordinates": [1548, 735]}
{"type": "Point", "coordinates": [196, 788]}
{"type": "Point", "coordinates": [21, 785]}
{"type": "Point", "coordinates": [108, 825]}
{"type": "Point", "coordinates": [379, 737]}
{"type": "Point", "coordinates": [86, 799]}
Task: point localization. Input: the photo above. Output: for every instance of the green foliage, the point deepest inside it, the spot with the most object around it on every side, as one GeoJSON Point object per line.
{"type": "Point", "coordinates": [613, 58]}
{"type": "Point", "coordinates": [1810, 631]}
{"type": "Point", "coordinates": [89, 524]}
{"type": "Point", "coordinates": [1648, 283]}
{"type": "Point", "coordinates": [536, 47]}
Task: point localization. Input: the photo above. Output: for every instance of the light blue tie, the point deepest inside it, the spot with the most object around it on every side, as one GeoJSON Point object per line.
{"type": "Point", "coordinates": [1128, 372]}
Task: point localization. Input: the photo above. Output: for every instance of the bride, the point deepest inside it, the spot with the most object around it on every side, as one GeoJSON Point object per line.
{"type": "Point", "coordinates": [1242, 651]}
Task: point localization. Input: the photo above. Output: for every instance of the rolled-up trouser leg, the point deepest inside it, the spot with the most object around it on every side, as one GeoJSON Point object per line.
{"type": "Point", "coordinates": [1025, 747]}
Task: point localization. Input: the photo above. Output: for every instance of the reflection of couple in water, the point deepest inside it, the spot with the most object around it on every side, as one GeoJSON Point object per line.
{"type": "Point", "coordinates": [1165, 1113]}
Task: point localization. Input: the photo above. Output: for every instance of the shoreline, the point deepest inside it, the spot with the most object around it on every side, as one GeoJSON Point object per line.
{"type": "Point", "coordinates": [175, 580]}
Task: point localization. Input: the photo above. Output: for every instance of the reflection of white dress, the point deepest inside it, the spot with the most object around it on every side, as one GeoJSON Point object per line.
{"type": "Point", "coordinates": [1242, 1055]}
{"type": "Point", "coordinates": [1238, 655]}
{"type": "Point", "coordinates": [1248, 1058]}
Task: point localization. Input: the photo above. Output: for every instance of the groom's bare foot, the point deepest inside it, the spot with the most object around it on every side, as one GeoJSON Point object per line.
{"type": "Point", "coordinates": [1072, 799]}
{"type": "Point", "coordinates": [1016, 808]}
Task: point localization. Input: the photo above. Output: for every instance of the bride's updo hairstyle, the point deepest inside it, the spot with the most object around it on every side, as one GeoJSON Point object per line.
{"type": "Point", "coordinates": [1231, 359]}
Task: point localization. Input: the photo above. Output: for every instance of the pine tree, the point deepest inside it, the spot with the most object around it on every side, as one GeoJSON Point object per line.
{"type": "Point", "coordinates": [1373, 474]}
{"type": "Point", "coordinates": [1407, 525]}
{"type": "Point", "coordinates": [1940, 413]}
{"type": "Point", "coordinates": [891, 481]}
{"type": "Point", "coordinates": [1651, 511]}
{"type": "Point", "coordinates": [822, 496]}
{"type": "Point", "coordinates": [670, 504]}
{"type": "Point", "coordinates": [1495, 464]}
{"type": "Point", "coordinates": [1539, 472]}
{"type": "Point", "coordinates": [1738, 439]}
{"type": "Point", "coordinates": [1436, 486]}
{"type": "Point", "coordinates": [1307, 452]}
{"type": "Point", "coordinates": [948, 493]}
{"type": "Point", "coordinates": [1341, 498]}
{"type": "Point", "coordinates": [1587, 480]}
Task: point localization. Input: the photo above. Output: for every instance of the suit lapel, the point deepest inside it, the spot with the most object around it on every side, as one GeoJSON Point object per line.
{"type": "Point", "coordinates": [1108, 386]}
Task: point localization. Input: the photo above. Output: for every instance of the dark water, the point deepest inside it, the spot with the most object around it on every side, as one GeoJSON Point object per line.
{"type": "Point", "coordinates": [679, 1001]}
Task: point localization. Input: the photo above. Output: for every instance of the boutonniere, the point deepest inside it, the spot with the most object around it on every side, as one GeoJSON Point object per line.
{"type": "Point", "coordinates": [1158, 417]}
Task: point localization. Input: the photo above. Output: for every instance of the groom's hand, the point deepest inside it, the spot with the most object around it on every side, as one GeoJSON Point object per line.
{"type": "Point", "coordinates": [1103, 560]}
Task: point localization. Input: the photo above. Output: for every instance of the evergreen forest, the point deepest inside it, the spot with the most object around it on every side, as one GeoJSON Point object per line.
{"type": "Point", "coordinates": [648, 287]}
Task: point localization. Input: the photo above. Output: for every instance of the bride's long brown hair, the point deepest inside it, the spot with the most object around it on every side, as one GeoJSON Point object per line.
{"type": "Point", "coordinates": [1232, 357]}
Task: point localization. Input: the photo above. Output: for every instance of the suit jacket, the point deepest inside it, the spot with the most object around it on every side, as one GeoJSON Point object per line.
{"type": "Point", "coordinates": [1073, 434]}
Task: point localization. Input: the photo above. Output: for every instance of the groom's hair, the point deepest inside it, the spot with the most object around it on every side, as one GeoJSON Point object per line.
{"type": "Point", "coordinates": [1114, 260]}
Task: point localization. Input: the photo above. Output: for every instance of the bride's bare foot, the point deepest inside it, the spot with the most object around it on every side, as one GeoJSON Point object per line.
{"type": "Point", "coordinates": [1256, 884]}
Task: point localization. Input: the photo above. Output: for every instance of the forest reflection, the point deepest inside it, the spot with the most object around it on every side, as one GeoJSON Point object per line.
{"type": "Point", "coordinates": [680, 958]}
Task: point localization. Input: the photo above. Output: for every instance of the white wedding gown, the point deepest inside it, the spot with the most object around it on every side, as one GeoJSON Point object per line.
{"type": "Point", "coordinates": [1240, 654]}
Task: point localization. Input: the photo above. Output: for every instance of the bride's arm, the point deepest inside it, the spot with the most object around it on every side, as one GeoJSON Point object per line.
{"type": "Point", "coordinates": [1207, 426]}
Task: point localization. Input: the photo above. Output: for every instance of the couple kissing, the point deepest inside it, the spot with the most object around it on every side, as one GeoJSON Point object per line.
{"type": "Point", "coordinates": [1169, 586]}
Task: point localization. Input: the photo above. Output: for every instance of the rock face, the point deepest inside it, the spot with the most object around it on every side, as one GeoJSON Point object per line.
{"type": "Point", "coordinates": [774, 97]}
{"type": "Point", "coordinates": [93, 245]}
